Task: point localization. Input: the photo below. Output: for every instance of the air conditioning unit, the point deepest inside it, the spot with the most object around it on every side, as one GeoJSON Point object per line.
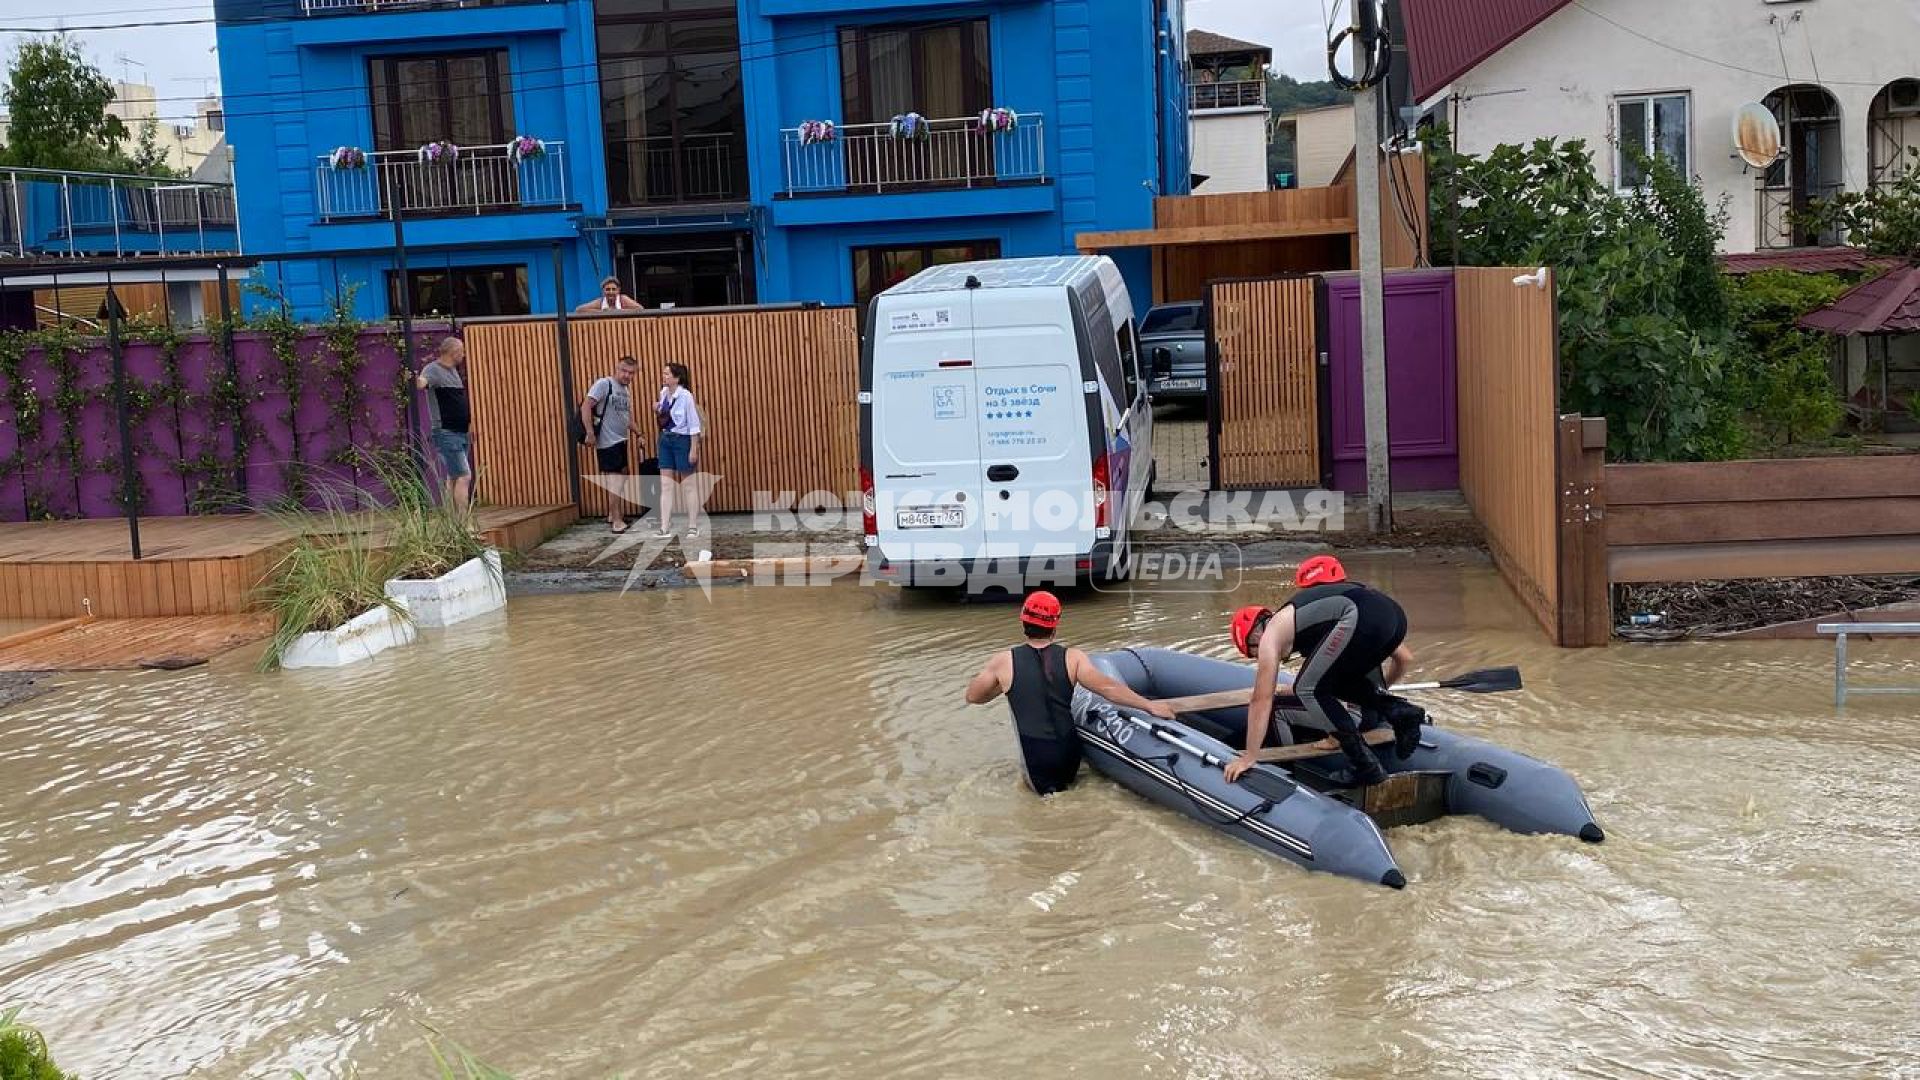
{"type": "Point", "coordinates": [1903, 98]}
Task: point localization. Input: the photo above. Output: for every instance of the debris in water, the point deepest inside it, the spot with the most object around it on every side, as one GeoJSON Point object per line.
{"type": "Point", "coordinates": [1705, 608]}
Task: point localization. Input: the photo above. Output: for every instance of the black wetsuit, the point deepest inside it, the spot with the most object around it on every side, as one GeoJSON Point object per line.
{"type": "Point", "coordinates": [1345, 631]}
{"type": "Point", "coordinates": [1042, 701]}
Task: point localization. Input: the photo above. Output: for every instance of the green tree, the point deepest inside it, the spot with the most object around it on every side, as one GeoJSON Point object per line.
{"type": "Point", "coordinates": [149, 158]}
{"type": "Point", "coordinates": [1783, 377]}
{"type": "Point", "coordinates": [1884, 219]}
{"type": "Point", "coordinates": [1644, 329]}
{"type": "Point", "coordinates": [58, 110]}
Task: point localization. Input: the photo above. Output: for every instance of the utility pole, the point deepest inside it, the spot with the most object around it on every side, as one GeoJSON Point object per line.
{"type": "Point", "coordinates": [1368, 39]}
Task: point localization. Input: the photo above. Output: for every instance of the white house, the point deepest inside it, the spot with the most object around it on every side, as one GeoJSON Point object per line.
{"type": "Point", "coordinates": [1667, 76]}
{"type": "Point", "coordinates": [1227, 112]}
{"type": "Point", "coordinates": [1322, 143]}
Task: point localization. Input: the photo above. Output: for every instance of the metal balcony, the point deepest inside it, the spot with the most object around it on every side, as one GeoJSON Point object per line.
{"type": "Point", "coordinates": [957, 153]}
{"type": "Point", "coordinates": [481, 180]}
{"type": "Point", "coordinates": [1244, 94]}
{"type": "Point", "coordinates": [47, 212]}
{"type": "Point", "coordinates": [353, 7]}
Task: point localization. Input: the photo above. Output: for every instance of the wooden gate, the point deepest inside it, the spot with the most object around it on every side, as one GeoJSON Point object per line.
{"type": "Point", "coordinates": [777, 392]}
{"type": "Point", "coordinates": [1263, 382]}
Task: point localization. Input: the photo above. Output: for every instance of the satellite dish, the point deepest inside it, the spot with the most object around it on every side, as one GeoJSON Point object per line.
{"type": "Point", "coordinates": [1756, 135]}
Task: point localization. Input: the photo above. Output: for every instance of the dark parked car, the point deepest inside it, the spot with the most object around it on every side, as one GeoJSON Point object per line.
{"type": "Point", "coordinates": [1173, 339]}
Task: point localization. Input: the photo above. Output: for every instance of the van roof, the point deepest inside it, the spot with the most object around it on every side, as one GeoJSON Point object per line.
{"type": "Point", "coordinates": [1043, 272]}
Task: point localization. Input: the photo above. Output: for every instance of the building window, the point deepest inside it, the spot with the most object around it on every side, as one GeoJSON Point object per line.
{"type": "Point", "coordinates": [939, 70]}
{"type": "Point", "coordinates": [464, 98]}
{"type": "Point", "coordinates": [671, 105]}
{"type": "Point", "coordinates": [216, 120]}
{"type": "Point", "coordinates": [463, 292]}
{"type": "Point", "coordinates": [1654, 125]}
{"type": "Point", "coordinates": [876, 269]}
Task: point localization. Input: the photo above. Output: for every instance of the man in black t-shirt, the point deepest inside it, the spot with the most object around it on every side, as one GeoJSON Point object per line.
{"type": "Point", "coordinates": [1038, 679]}
{"type": "Point", "coordinates": [451, 416]}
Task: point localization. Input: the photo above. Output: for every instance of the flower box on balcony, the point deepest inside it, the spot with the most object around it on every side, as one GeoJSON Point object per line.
{"type": "Point", "coordinates": [526, 148]}
{"type": "Point", "coordinates": [438, 153]}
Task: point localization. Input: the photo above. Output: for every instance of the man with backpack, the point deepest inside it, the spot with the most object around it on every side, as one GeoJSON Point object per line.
{"type": "Point", "coordinates": [606, 423]}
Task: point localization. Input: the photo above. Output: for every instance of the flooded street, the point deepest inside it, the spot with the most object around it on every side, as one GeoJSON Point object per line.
{"type": "Point", "coordinates": [763, 836]}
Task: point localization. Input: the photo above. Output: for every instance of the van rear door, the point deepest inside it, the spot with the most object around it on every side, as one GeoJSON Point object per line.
{"type": "Point", "coordinates": [1033, 425]}
{"type": "Point", "coordinates": [926, 428]}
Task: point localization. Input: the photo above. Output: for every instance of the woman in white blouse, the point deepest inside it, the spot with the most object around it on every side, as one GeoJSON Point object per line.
{"type": "Point", "coordinates": [679, 441]}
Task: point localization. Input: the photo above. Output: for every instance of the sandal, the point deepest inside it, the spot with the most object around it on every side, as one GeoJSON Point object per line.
{"type": "Point", "coordinates": [618, 529]}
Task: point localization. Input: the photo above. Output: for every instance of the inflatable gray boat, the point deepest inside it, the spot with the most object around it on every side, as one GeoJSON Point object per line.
{"type": "Point", "coordinates": [1299, 803]}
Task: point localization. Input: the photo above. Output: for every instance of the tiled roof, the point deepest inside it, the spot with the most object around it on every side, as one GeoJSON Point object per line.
{"type": "Point", "coordinates": [1807, 260]}
{"type": "Point", "coordinates": [1889, 304]}
{"type": "Point", "coordinates": [1208, 43]}
{"type": "Point", "coordinates": [1448, 38]}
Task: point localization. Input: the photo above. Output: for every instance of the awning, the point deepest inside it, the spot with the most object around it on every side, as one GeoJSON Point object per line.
{"type": "Point", "coordinates": [1889, 304]}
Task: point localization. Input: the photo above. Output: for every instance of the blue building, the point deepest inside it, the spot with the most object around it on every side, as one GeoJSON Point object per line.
{"type": "Point", "coordinates": [683, 146]}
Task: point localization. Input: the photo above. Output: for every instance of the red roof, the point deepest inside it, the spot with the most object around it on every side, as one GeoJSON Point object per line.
{"type": "Point", "coordinates": [1889, 304]}
{"type": "Point", "coordinates": [1448, 38]}
{"type": "Point", "coordinates": [1808, 260]}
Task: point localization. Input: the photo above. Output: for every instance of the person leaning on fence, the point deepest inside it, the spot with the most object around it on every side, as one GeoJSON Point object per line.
{"type": "Point", "coordinates": [610, 299]}
{"type": "Point", "coordinates": [607, 415]}
{"type": "Point", "coordinates": [451, 417]}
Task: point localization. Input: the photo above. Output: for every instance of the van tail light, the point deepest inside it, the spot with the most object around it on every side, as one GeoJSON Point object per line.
{"type": "Point", "coordinates": [869, 521]}
{"type": "Point", "coordinates": [1100, 492]}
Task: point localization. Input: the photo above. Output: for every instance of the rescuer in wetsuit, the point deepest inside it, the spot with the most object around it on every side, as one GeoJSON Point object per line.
{"type": "Point", "coordinates": [1349, 635]}
{"type": "Point", "coordinates": [1038, 679]}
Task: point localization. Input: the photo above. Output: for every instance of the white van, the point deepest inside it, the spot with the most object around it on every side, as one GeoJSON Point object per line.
{"type": "Point", "coordinates": [1006, 436]}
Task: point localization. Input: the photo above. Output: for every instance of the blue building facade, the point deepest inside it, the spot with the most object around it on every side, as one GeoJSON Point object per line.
{"type": "Point", "coordinates": [702, 151]}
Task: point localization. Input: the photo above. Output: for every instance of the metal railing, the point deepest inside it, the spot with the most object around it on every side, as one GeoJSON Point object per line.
{"type": "Point", "coordinates": [480, 180]}
{"type": "Point", "coordinates": [1239, 94]}
{"type": "Point", "coordinates": [328, 7]}
{"type": "Point", "coordinates": [1840, 632]}
{"type": "Point", "coordinates": [956, 152]}
{"type": "Point", "coordinates": [1775, 228]}
{"type": "Point", "coordinates": [662, 169]}
{"type": "Point", "coordinates": [85, 214]}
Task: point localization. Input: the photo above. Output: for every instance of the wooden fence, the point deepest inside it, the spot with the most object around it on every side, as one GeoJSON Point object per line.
{"type": "Point", "coordinates": [1512, 441]}
{"type": "Point", "coordinates": [776, 390]}
{"type": "Point", "coordinates": [1751, 519]}
{"type": "Point", "coordinates": [1264, 364]}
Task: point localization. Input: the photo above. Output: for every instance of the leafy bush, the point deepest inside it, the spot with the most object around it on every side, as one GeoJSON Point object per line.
{"type": "Point", "coordinates": [23, 1051]}
{"type": "Point", "coordinates": [1782, 375]}
{"type": "Point", "coordinates": [1884, 219]}
{"type": "Point", "coordinates": [1644, 319]}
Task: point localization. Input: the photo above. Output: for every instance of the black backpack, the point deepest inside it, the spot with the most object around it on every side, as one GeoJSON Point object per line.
{"type": "Point", "coordinates": [575, 429]}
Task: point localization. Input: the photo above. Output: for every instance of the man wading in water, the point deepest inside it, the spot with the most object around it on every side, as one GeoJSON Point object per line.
{"type": "Point", "coordinates": [1347, 634]}
{"type": "Point", "coordinates": [1038, 679]}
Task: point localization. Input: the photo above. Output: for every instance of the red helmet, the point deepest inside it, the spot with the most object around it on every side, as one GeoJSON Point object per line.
{"type": "Point", "coordinates": [1042, 609]}
{"type": "Point", "coordinates": [1245, 621]}
{"type": "Point", "coordinates": [1319, 570]}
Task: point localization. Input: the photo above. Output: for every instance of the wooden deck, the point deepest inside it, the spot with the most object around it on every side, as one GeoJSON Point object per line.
{"type": "Point", "coordinates": [119, 644]}
{"type": "Point", "coordinates": [189, 566]}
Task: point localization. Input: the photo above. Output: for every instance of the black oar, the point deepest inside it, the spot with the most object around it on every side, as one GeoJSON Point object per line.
{"type": "Point", "coordinates": [1488, 681]}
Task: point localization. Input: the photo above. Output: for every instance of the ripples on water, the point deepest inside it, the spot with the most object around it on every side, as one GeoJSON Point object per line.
{"type": "Point", "coordinates": [764, 837]}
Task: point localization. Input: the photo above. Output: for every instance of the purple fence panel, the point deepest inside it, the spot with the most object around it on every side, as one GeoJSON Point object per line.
{"type": "Point", "coordinates": [271, 455]}
{"type": "Point", "coordinates": [206, 446]}
{"type": "Point", "coordinates": [154, 422]}
{"type": "Point", "coordinates": [1423, 437]}
{"type": "Point", "coordinates": [99, 481]}
{"type": "Point", "coordinates": [13, 463]}
{"type": "Point", "coordinates": [46, 482]}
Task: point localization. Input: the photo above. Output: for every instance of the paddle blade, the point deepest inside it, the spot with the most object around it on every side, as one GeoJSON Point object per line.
{"type": "Point", "coordinates": [1489, 681]}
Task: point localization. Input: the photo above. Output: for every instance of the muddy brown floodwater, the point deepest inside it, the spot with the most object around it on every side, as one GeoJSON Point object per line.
{"type": "Point", "coordinates": [761, 836]}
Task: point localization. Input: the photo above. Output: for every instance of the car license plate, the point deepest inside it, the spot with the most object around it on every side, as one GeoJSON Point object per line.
{"type": "Point", "coordinates": [931, 517]}
{"type": "Point", "coordinates": [1178, 384]}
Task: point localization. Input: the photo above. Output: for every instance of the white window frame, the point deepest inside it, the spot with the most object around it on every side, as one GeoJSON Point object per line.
{"type": "Point", "coordinates": [1645, 136]}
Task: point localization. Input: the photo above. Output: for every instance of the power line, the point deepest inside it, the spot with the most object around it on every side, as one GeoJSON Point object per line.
{"type": "Point", "coordinates": [1651, 40]}
{"type": "Point", "coordinates": [594, 66]}
{"type": "Point", "coordinates": [118, 11]}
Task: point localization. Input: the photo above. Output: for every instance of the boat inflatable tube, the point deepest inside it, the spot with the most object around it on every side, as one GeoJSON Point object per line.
{"type": "Point", "coordinates": [1306, 811]}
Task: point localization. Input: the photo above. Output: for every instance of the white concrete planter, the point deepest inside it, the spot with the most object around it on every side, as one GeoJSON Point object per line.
{"type": "Point", "coordinates": [365, 635]}
{"type": "Point", "coordinates": [475, 587]}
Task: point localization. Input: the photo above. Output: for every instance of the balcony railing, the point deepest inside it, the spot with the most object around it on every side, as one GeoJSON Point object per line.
{"type": "Point", "coordinates": [690, 169]}
{"type": "Point", "coordinates": [1251, 93]}
{"type": "Point", "coordinates": [481, 180]}
{"type": "Point", "coordinates": [956, 153]}
{"type": "Point", "coordinates": [45, 212]}
{"type": "Point", "coordinates": [1775, 227]}
{"type": "Point", "coordinates": [330, 7]}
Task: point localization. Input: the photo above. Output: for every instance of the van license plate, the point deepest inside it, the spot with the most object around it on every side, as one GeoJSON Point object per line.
{"type": "Point", "coordinates": [1177, 384]}
{"type": "Point", "coordinates": [931, 517]}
